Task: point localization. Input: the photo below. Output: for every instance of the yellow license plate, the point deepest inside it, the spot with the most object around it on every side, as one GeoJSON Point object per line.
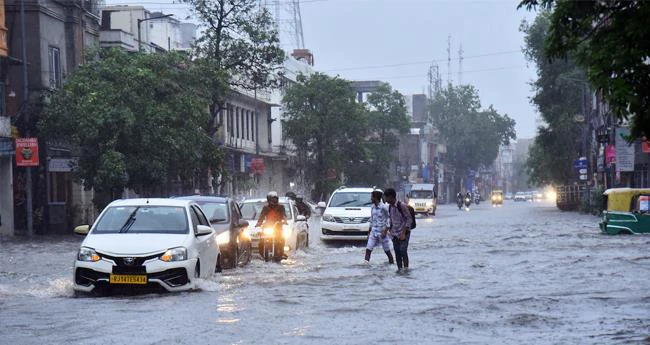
{"type": "Point", "coordinates": [128, 279]}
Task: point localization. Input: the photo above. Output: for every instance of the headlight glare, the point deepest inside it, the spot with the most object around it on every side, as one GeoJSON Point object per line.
{"type": "Point", "coordinates": [268, 231]}
{"type": "Point", "coordinates": [223, 238]}
{"type": "Point", "coordinates": [88, 255]}
{"type": "Point", "coordinates": [286, 231]}
{"type": "Point", "coordinates": [174, 254]}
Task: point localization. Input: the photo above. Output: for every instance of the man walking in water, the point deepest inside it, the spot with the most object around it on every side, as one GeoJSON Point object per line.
{"type": "Point", "coordinates": [400, 228]}
{"type": "Point", "coordinates": [378, 232]}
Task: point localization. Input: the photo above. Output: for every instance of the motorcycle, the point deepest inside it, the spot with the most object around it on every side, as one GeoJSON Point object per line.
{"type": "Point", "coordinates": [477, 198]}
{"type": "Point", "coordinates": [270, 241]}
{"type": "Point", "coordinates": [468, 202]}
{"type": "Point", "coordinates": [459, 203]}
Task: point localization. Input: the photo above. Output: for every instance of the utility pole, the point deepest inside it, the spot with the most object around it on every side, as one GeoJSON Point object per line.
{"type": "Point", "coordinates": [28, 175]}
{"type": "Point", "coordinates": [449, 60]}
{"type": "Point", "coordinates": [460, 65]}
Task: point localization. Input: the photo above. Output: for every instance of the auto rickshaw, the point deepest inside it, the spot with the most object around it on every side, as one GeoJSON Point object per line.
{"type": "Point", "coordinates": [627, 212]}
{"type": "Point", "coordinates": [497, 197]}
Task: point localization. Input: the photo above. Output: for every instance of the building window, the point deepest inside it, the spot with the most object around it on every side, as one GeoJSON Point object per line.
{"type": "Point", "coordinates": [55, 67]}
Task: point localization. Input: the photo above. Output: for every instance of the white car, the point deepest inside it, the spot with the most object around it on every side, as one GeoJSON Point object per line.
{"type": "Point", "coordinates": [295, 232]}
{"type": "Point", "coordinates": [347, 216]}
{"type": "Point", "coordinates": [135, 243]}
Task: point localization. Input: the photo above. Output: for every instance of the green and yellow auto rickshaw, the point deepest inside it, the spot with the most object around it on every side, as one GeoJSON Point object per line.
{"type": "Point", "coordinates": [628, 211]}
{"type": "Point", "coordinates": [497, 197]}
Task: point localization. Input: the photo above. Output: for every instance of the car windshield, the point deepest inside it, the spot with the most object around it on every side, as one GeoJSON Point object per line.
{"type": "Point", "coordinates": [252, 210]}
{"type": "Point", "coordinates": [217, 212]}
{"type": "Point", "coordinates": [143, 219]}
{"type": "Point", "coordinates": [350, 199]}
{"type": "Point", "coordinates": [421, 194]}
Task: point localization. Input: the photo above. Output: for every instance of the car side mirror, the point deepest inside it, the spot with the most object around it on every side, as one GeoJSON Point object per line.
{"type": "Point", "coordinates": [82, 230]}
{"type": "Point", "coordinates": [322, 204]}
{"type": "Point", "coordinates": [301, 218]}
{"type": "Point", "coordinates": [202, 230]}
{"type": "Point", "coordinates": [243, 223]}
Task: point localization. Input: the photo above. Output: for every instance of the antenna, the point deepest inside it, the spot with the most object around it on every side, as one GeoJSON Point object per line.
{"type": "Point", "coordinates": [449, 60]}
{"type": "Point", "coordinates": [288, 22]}
{"type": "Point", "coordinates": [460, 64]}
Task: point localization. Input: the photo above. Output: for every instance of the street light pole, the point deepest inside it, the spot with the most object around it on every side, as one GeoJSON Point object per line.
{"type": "Point", "coordinates": [28, 172]}
{"type": "Point", "coordinates": [140, 30]}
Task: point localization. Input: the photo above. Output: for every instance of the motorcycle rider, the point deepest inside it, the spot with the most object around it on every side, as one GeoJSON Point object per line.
{"type": "Point", "coordinates": [303, 208]}
{"type": "Point", "coordinates": [459, 200]}
{"type": "Point", "coordinates": [468, 196]}
{"type": "Point", "coordinates": [273, 213]}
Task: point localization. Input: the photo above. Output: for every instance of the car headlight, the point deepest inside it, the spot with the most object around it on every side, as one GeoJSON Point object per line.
{"type": "Point", "coordinates": [328, 218]}
{"type": "Point", "coordinates": [268, 231]}
{"type": "Point", "coordinates": [223, 238]}
{"type": "Point", "coordinates": [286, 231]}
{"type": "Point", "coordinates": [412, 203]}
{"type": "Point", "coordinates": [88, 255]}
{"type": "Point", "coordinates": [247, 233]}
{"type": "Point", "coordinates": [174, 254]}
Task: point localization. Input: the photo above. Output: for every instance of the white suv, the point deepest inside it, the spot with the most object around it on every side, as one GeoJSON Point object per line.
{"type": "Point", "coordinates": [347, 216]}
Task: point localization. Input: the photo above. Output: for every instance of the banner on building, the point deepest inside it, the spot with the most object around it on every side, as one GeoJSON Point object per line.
{"type": "Point", "coordinates": [645, 146]}
{"type": "Point", "coordinates": [624, 151]}
{"type": "Point", "coordinates": [610, 154]}
{"type": "Point", "coordinates": [26, 152]}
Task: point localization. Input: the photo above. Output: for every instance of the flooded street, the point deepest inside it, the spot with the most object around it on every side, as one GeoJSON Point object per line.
{"type": "Point", "coordinates": [518, 274]}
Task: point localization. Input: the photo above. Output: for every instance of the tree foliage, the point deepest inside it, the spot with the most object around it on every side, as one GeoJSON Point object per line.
{"type": "Point", "coordinates": [559, 96]}
{"type": "Point", "coordinates": [238, 48]}
{"type": "Point", "coordinates": [327, 128]}
{"type": "Point", "coordinates": [387, 121]}
{"type": "Point", "coordinates": [472, 135]}
{"type": "Point", "coordinates": [611, 40]}
{"type": "Point", "coordinates": [130, 136]}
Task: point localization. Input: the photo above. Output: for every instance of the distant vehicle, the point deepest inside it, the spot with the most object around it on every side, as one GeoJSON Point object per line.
{"type": "Point", "coordinates": [423, 199]}
{"type": "Point", "coordinates": [537, 196]}
{"type": "Point", "coordinates": [164, 243]}
{"type": "Point", "coordinates": [225, 218]}
{"type": "Point", "coordinates": [295, 232]}
{"type": "Point", "coordinates": [497, 197]}
{"type": "Point", "coordinates": [529, 196]}
{"type": "Point", "coordinates": [520, 196]}
{"type": "Point", "coordinates": [508, 196]}
{"type": "Point", "coordinates": [347, 215]}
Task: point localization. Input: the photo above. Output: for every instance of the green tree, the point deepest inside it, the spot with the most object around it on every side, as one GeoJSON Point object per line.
{"type": "Point", "coordinates": [238, 48]}
{"type": "Point", "coordinates": [611, 41]}
{"type": "Point", "coordinates": [130, 136]}
{"type": "Point", "coordinates": [387, 120]}
{"type": "Point", "coordinates": [559, 96]}
{"type": "Point", "coordinates": [472, 135]}
{"type": "Point", "coordinates": [327, 128]}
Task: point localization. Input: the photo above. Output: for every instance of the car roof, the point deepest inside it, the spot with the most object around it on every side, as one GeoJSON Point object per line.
{"type": "Point", "coordinates": [200, 198]}
{"type": "Point", "coordinates": [355, 190]}
{"type": "Point", "coordinates": [151, 202]}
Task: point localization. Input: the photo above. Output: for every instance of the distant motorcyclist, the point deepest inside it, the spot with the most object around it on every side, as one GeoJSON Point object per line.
{"type": "Point", "coordinates": [303, 208]}
{"type": "Point", "coordinates": [273, 214]}
{"type": "Point", "coordinates": [468, 199]}
{"type": "Point", "coordinates": [291, 195]}
{"type": "Point", "coordinates": [459, 200]}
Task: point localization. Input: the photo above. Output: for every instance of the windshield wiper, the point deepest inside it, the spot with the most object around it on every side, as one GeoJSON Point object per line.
{"type": "Point", "coordinates": [129, 221]}
{"type": "Point", "coordinates": [346, 203]}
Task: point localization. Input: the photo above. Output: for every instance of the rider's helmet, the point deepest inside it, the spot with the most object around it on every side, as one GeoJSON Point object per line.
{"type": "Point", "coordinates": [272, 198]}
{"type": "Point", "coordinates": [291, 195]}
{"type": "Point", "coordinates": [299, 198]}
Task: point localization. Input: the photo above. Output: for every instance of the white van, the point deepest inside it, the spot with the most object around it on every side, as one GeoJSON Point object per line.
{"type": "Point", "coordinates": [423, 199]}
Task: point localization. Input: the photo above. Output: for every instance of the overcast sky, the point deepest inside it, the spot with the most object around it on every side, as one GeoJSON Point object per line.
{"type": "Point", "coordinates": [396, 40]}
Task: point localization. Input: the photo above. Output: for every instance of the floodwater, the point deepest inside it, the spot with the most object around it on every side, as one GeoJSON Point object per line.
{"type": "Point", "coordinates": [518, 274]}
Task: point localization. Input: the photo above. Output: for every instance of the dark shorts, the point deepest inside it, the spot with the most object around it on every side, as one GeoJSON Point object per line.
{"type": "Point", "coordinates": [401, 245]}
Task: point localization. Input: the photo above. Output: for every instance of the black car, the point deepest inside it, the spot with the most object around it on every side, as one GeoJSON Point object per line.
{"type": "Point", "coordinates": [225, 217]}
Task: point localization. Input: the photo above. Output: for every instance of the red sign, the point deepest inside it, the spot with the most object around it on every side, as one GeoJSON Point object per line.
{"type": "Point", "coordinates": [257, 166]}
{"type": "Point", "coordinates": [645, 146]}
{"type": "Point", "coordinates": [26, 152]}
{"type": "Point", "coordinates": [610, 154]}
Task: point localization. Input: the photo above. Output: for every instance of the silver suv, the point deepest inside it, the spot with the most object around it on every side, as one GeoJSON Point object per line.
{"type": "Point", "coordinates": [347, 216]}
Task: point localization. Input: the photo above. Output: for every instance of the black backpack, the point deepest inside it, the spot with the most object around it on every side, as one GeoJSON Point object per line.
{"type": "Point", "coordinates": [411, 210]}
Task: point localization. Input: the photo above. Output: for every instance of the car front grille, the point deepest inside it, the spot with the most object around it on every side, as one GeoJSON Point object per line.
{"type": "Point", "coordinates": [351, 220]}
{"type": "Point", "coordinates": [173, 277]}
{"type": "Point", "coordinates": [420, 204]}
{"type": "Point", "coordinates": [344, 233]}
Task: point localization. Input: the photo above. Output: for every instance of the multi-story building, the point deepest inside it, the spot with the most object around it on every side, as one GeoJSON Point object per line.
{"type": "Point", "coordinates": [56, 35]}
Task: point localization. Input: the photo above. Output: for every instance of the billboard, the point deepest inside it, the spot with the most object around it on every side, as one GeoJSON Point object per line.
{"type": "Point", "coordinates": [26, 152]}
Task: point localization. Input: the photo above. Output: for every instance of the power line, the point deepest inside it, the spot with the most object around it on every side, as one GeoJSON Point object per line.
{"type": "Point", "coordinates": [464, 72]}
{"type": "Point", "coordinates": [422, 62]}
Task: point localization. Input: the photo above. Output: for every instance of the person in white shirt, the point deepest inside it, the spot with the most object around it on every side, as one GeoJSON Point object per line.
{"type": "Point", "coordinates": [378, 231]}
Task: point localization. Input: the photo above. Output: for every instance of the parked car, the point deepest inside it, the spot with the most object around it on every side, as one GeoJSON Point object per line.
{"type": "Point", "coordinates": [134, 243]}
{"type": "Point", "coordinates": [520, 196]}
{"type": "Point", "coordinates": [628, 211]}
{"type": "Point", "coordinates": [296, 232]}
{"type": "Point", "coordinates": [347, 215]}
{"type": "Point", "coordinates": [226, 219]}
